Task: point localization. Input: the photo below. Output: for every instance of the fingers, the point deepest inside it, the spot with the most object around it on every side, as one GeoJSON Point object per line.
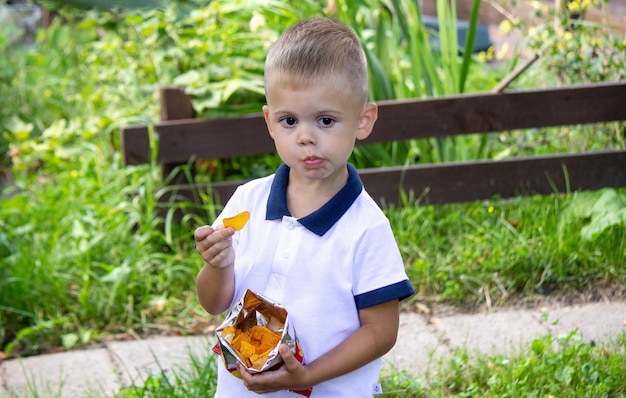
{"type": "Point", "coordinates": [214, 245]}
{"type": "Point", "coordinates": [291, 363]}
{"type": "Point", "coordinates": [207, 236]}
{"type": "Point", "coordinates": [252, 382]}
{"type": "Point", "coordinates": [202, 232]}
{"type": "Point", "coordinates": [290, 375]}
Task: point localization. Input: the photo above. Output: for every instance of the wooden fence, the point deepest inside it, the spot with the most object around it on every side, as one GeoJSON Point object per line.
{"type": "Point", "coordinates": [182, 137]}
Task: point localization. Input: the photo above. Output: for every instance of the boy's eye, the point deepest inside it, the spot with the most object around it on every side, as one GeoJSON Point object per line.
{"type": "Point", "coordinates": [327, 121]}
{"type": "Point", "coordinates": [288, 121]}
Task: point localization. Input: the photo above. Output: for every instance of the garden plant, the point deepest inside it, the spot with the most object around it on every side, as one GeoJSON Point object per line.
{"type": "Point", "coordinates": [85, 256]}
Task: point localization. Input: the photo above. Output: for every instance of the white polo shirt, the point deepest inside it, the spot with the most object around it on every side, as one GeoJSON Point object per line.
{"type": "Point", "coordinates": [322, 268]}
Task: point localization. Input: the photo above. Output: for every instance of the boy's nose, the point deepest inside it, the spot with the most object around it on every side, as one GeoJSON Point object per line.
{"type": "Point", "coordinates": [305, 135]}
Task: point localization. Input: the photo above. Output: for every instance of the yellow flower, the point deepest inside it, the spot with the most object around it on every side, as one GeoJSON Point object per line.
{"type": "Point", "coordinates": [573, 6]}
{"type": "Point", "coordinates": [501, 54]}
{"type": "Point", "coordinates": [505, 26]}
{"type": "Point", "coordinates": [483, 56]}
{"type": "Point", "coordinates": [490, 209]}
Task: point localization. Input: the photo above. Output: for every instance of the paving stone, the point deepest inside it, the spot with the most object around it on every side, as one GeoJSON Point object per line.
{"type": "Point", "coordinates": [596, 321]}
{"type": "Point", "coordinates": [136, 360]}
{"type": "Point", "coordinates": [493, 333]}
{"type": "Point", "coordinates": [72, 374]}
{"type": "Point", "coordinates": [3, 382]}
{"type": "Point", "coordinates": [416, 346]}
{"type": "Point", "coordinates": [103, 371]}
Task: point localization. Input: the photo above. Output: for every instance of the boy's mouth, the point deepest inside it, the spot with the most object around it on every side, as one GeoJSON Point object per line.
{"type": "Point", "coordinates": [313, 161]}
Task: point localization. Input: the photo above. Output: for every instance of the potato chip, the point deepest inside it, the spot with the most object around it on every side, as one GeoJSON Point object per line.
{"type": "Point", "coordinates": [229, 331]}
{"type": "Point", "coordinates": [237, 222]}
{"type": "Point", "coordinates": [238, 338]}
{"type": "Point", "coordinates": [246, 349]}
{"type": "Point", "coordinates": [258, 361]}
{"type": "Point", "coordinates": [254, 345]}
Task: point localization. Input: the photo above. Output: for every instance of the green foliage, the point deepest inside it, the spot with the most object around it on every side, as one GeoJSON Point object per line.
{"type": "Point", "coordinates": [101, 4]}
{"type": "Point", "coordinates": [573, 49]}
{"type": "Point", "coordinates": [88, 238]}
{"type": "Point", "coordinates": [199, 380]}
{"type": "Point", "coordinates": [404, 64]}
{"type": "Point", "coordinates": [600, 210]}
{"type": "Point", "coordinates": [555, 366]}
{"type": "Point", "coordinates": [91, 73]}
{"type": "Point", "coordinates": [489, 252]}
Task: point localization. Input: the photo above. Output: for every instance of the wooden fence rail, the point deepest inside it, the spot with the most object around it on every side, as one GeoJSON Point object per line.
{"type": "Point", "coordinates": [181, 138]}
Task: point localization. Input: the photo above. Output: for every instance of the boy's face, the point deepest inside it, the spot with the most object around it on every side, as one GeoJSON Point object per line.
{"type": "Point", "coordinates": [315, 126]}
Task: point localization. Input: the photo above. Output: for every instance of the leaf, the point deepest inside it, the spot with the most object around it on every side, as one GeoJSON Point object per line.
{"type": "Point", "coordinates": [503, 154]}
{"type": "Point", "coordinates": [538, 347]}
{"type": "Point", "coordinates": [607, 210]}
{"type": "Point", "coordinates": [69, 340]}
{"type": "Point", "coordinates": [565, 375]}
{"type": "Point", "coordinates": [117, 275]}
{"type": "Point", "coordinates": [580, 206]}
{"type": "Point", "coordinates": [603, 222]}
{"type": "Point", "coordinates": [20, 129]}
{"type": "Point", "coordinates": [240, 84]}
{"type": "Point", "coordinates": [30, 331]}
{"type": "Point", "coordinates": [610, 200]}
{"type": "Point", "coordinates": [189, 78]}
{"type": "Point", "coordinates": [85, 336]}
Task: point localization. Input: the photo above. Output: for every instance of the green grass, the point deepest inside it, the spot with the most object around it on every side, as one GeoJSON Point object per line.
{"type": "Point", "coordinates": [197, 380]}
{"type": "Point", "coordinates": [551, 366]}
{"type": "Point", "coordinates": [489, 252]}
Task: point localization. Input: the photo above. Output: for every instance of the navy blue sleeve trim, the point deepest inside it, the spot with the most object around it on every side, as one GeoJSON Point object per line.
{"type": "Point", "coordinates": [397, 291]}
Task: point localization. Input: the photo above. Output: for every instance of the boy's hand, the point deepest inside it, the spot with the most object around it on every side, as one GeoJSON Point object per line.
{"type": "Point", "coordinates": [215, 245]}
{"type": "Point", "coordinates": [292, 375]}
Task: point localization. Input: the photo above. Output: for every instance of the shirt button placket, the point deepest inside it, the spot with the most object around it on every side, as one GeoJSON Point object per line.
{"type": "Point", "coordinates": [280, 267]}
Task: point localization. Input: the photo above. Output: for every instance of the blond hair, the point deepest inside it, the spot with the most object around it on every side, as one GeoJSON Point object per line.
{"type": "Point", "coordinates": [315, 49]}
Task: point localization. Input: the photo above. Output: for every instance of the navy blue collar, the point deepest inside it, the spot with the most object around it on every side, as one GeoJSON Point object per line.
{"type": "Point", "coordinates": [323, 219]}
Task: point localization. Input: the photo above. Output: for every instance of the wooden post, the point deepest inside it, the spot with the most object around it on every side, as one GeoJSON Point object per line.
{"type": "Point", "coordinates": [175, 105]}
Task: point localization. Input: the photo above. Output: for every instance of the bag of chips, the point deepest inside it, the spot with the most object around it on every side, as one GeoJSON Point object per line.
{"type": "Point", "coordinates": [251, 334]}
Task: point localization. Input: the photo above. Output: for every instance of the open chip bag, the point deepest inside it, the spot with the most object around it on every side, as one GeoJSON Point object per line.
{"type": "Point", "coordinates": [251, 334]}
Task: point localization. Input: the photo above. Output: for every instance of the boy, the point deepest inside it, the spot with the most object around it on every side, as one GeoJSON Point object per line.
{"type": "Point", "coordinates": [316, 242]}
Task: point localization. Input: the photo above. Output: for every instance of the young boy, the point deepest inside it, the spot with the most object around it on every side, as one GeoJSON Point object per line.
{"type": "Point", "coordinates": [316, 242]}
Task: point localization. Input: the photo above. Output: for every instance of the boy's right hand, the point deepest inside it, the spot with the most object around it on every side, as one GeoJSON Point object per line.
{"type": "Point", "coordinates": [215, 245]}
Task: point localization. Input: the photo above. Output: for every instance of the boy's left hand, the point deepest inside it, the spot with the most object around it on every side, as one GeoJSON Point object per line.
{"type": "Point", "coordinates": [292, 375]}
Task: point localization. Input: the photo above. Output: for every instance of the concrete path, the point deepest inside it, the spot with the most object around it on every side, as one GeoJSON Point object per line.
{"type": "Point", "coordinates": [102, 371]}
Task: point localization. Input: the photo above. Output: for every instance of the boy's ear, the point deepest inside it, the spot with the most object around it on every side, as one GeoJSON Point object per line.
{"type": "Point", "coordinates": [266, 115]}
{"type": "Point", "coordinates": [368, 117]}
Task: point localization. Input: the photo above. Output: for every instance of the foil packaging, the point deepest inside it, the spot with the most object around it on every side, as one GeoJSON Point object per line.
{"type": "Point", "coordinates": [251, 311]}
